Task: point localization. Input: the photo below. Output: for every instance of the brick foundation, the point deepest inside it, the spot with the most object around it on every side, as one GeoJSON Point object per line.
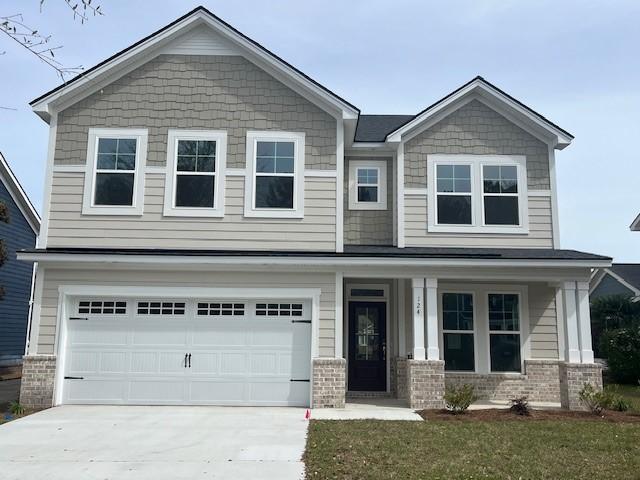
{"type": "Point", "coordinates": [539, 383]}
{"type": "Point", "coordinates": [573, 377]}
{"type": "Point", "coordinates": [399, 377]}
{"type": "Point", "coordinates": [425, 383]}
{"type": "Point", "coordinates": [38, 380]}
{"type": "Point", "coordinates": [329, 382]}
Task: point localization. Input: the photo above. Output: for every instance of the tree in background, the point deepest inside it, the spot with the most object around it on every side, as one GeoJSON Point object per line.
{"type": "Point", "coordinates": [15, 28]}
{"type": "Point", "coordinates": [4, 217]}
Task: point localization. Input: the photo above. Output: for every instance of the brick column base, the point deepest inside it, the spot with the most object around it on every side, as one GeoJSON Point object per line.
{"type": "Point", "coordinates": [399, 377]}
{"type": "Point", "coordinates": [573, 377]}
{"type": "Point", "coordinates": [329, 382]}
{"type": "Point", "coordinates": [425, 383]}
{"type": "Point", "coordinates": [38, 380]}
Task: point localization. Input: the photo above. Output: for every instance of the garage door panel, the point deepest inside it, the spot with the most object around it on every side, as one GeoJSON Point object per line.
{"type": "Point", "coordinates": [238, 357]}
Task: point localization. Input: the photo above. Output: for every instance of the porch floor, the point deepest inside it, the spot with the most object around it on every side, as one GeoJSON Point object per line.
{"type": "Point", "coordinates": [368, 409]}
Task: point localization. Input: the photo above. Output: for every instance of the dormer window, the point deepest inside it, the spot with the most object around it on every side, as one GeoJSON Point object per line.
{"type": "Point", "coordinates": [477, 194]}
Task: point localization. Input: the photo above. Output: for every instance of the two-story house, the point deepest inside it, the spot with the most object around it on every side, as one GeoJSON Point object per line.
{"type": "Point", "coordinates": [221, 229]}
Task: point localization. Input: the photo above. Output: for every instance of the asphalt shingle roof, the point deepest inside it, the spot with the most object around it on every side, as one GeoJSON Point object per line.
{"type": "Point", "coordinates": [374, 128]}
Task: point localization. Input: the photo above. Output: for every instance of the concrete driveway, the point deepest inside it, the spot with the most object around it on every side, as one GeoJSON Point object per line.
{"type": "Point", "coordinates": [100, 442]}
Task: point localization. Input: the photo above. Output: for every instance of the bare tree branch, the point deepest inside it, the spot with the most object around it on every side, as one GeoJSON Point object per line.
{"type": "Point", "coordinates": [81, 9]}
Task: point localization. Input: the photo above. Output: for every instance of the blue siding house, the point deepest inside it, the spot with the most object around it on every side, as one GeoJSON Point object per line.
{"type": "Point", "coordinates": [16, 276]}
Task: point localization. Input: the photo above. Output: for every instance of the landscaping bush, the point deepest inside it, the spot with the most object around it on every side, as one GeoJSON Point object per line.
{"type": "Point", "coordinates": [16, 408]}
{"type": "Point", "coordinates": [609, 313]}
{"type": "Point", "coordinates": [458, 399]}
{"type": "Point", "coordinates": [622, 350]}
{"type": "Point", "coordinates": [607, 399]}
{"type": "Point", "coordinates": [520, 406]}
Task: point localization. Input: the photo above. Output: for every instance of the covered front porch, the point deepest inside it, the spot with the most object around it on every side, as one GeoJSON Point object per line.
{"type": "Point", "coordinates": [508, 331]}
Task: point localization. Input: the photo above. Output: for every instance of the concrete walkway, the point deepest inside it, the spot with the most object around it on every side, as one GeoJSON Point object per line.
{"type": "Point", "coordinates": [368, 409]}
{"type": "Point", "coordinates": [107, 442]}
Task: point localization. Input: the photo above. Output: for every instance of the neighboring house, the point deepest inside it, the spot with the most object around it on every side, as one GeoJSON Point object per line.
{"type": "Point", "coordinates": [15, 276]}
{"type": "Point", "coordinates": [219, 228]}
{"type": "Point", "coordinates": [635, 225]}
{"type": "Point", "coordinates": [618, 279]}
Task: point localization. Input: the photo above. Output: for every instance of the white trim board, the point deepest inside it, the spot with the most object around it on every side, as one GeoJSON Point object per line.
{"type": "Point", "coordinates": [607, 271]}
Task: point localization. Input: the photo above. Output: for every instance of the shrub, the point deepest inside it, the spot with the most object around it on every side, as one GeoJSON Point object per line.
{"type": "Point", "coordinates": [622, 349]}
{"type": "Point", "coordinates": [16, 408]}
{"type": "Point", "coordinates": [598, 401]}
{"type": "Point", "coordinates": [458, 399]}
{"type": "Point", "coordinates": [520, 406]}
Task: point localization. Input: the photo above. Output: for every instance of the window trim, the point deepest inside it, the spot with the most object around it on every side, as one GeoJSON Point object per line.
{"type": "Point", "coordinates": [473, 332]}
{"type": "Point", "coordinates": [137, 207]}
{"type": "Point", "coordinates": [482, 334]}
{"type": "Point", "coordinates": [298, 138]}
{"type": "Point", "coordinates": [381, 167]}
{"type": "Point", "coordinates": [174, 135]}
{"type": "Point", "coordinates": [477, 164]}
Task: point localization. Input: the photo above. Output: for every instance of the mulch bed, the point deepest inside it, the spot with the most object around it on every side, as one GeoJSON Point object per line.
{"type": "Point", "coordinates": [495, 414]}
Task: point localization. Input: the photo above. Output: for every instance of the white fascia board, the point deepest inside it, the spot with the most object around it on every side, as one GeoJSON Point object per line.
{"type": "Point", "coordinates": [635, 225]}
{"type": "Point", "coordinates": [295, 260]}
{"type": "Point", "coordinates": [19, 196]}
{"type": "Point", "coordinates": [494, 99]}
{"type": "Point", "coordinates": [620, 280]}
{"type": "Point", "coordinates": [153, 46]}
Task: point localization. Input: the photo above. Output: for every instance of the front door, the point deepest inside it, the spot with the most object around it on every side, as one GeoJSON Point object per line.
{"type": "Point", "coordinates": [367, 346]}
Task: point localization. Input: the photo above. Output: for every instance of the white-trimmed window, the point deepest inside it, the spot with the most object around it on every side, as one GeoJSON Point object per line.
{"type": "Point", "coordinates": [483, 327]}
{"type": "Point", "coordinates": [477, 194]}
{"type": "Point", "coordinates": [196, 161]}
{"type": "Point", "coordinates": [275, 184]}
{"type": "Point", "coordinates": [458, 334]}
{"type": "Point", "coordinates": [114, 175]}
{"type": "Point", "coordinates": [367, 185]}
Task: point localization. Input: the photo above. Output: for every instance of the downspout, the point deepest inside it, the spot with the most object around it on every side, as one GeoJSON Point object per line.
{"type": "Point", "coordinates": [30, 315]}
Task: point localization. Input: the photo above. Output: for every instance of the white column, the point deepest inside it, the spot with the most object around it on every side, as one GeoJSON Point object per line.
{"type": "Point", "coordinates": [418, 318]}
{"type": "Point", "coordinates": [433, 348]}
{"type": "Point", "coordinates": [402, 333]}
{"type": "Point", "coordinates": [572, 342]}
{"type": "Point", "coordinates": [584, 322]}
{"type": "Point", "coordinates": [339, 321]}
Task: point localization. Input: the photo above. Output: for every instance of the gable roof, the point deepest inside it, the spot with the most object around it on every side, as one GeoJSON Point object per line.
{"type": "Point", "coordinates": [635, 225]}
{"type": "Point", "coordinates": [19, 196]}
{"type": "Point", "coordinates": [153, 44]}
{"type": "Point", "coordinates": [628, 274]}
{"type": "Point", "coordinates": [495, 98]}
{"type": "Point", "coordinates": [374, 128]}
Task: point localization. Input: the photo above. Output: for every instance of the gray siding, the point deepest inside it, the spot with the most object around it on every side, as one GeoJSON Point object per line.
{"type": "Point", "coordinates": [15, 278]}
{"type": "Point", "coordinates": [369, 227]}
{"type": "Point", "coordinates": [68, 227]}
{"type": "Point", "coordinates": [540, 228]}
{"type": "Point", "coordinates": [202, 92]}
{"type": "Point", "coordinates": [610, 286]}
{"type": "Point", "coordinates": [543, 323]}
{"type": "Point", "coordinates": [53, 278]}
{"type": "Point", "coordinates": [475, 129]}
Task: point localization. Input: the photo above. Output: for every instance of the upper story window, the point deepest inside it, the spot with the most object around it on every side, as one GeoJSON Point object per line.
{"type": "Point", "coordinates": [195, 179]}
{"type": "Point", "coordinates": [114, 182]}
{"type": "Point", "coordinates": [275, 181]}
{"type": "Point", "coordinates": [477, 194]}
{"type": "Point", "coordinates": [367, 185]}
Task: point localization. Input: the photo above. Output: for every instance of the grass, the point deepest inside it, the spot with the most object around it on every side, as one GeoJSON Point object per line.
{"type": "Point", "coordinates": [631, 393]}
{"type": "Point", "coordinates": [569, 449]}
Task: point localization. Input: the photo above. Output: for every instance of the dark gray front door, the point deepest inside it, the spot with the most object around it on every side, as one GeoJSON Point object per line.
{"type": "Point", "coordinates": [367, 346]}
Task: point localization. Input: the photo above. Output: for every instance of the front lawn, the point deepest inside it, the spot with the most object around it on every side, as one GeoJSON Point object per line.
{"type": "Point", "coordinates": [631, 393]}
{"type": "Point", "coordinates": [435, 449]}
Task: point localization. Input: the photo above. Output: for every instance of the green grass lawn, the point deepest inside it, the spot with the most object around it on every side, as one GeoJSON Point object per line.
{"type": "Point", "coordinates": [632, 394]}
{"type": "Point", "coordinates": [515, 450]}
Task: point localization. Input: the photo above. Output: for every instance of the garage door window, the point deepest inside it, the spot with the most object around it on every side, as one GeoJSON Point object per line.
{"type": "Point", "coordinates": [224, 309]}
{"type": "Point", "coordinates": [102, 307]}
{"type": "Point", "coordinates": [279, 309]}
{"type": "Point", "coordinates": [160, 308]}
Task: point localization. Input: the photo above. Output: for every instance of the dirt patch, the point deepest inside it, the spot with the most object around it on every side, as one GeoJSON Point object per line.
{"type": "Point", "coordinates": [494, 414]}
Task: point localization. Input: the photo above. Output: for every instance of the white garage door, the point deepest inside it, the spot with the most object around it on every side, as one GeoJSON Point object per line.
{"type": "Point", "coordinates": [188, 352]}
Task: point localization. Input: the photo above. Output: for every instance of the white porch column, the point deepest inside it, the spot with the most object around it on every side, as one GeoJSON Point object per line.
{"type": "Point", "coordinates": [402, 337]}
{"type": "Point", "coordinates": [572, 341]}
{"type": "Point", "coordinates": [339, 320]}
{"type": "Point", "coordinates": [418, 318]}
{"type": "Point", "coordinates": [584, 322]}
{"type": "Point", "coordinates": [433, 349]}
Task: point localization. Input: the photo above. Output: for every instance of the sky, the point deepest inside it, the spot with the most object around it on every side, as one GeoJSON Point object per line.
{"type": "Point", "coordinates": [575, 62]}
